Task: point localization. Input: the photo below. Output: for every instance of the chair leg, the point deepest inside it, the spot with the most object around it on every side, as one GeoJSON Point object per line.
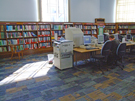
{"type": "Point", "coordinates": [22, 54]}
{"type": "Point", "coordinates": [19, 55]}
{"type": "Point", "coordinates": [100, 67]}
{"type": "Point", "coordinates": [11, 56]}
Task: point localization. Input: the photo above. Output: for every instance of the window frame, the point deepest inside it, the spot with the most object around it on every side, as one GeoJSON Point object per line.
{"type": "Point", "coordinates": [40, 12]}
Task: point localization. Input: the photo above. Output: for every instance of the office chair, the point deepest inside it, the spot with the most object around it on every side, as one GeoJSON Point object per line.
{"type": "Point", "coordinates": [15, 50]}
{"type": "Point", "coordinates": [105, 51]}
{"type": "Point", "coordinates": [120, 53]}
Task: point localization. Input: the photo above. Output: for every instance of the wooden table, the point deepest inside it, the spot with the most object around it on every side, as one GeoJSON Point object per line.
{"type": "Point", "coordinates": [83, 54]}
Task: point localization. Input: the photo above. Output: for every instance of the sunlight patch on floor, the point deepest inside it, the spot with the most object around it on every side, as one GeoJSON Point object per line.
{"type": "Point", "coordinates": [28, 71]}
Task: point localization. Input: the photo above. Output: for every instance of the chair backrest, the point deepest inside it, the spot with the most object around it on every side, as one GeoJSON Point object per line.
{"type": "Point", "coordinates": [105, 51]}
{"type": "Point", "coordinates": [121, 49]}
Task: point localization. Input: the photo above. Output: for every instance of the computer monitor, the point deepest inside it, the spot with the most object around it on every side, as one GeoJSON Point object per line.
{"type": "Point", "coordinates": [100, 38]}
{"type": "Point", "coordinates": [116, 36]}
{"type": "Point", "coordinates": [87, 40]}
{"type": "Point", "coordinates": [75, 35]}
{"type": "Point", "coordinates": [128, 36]}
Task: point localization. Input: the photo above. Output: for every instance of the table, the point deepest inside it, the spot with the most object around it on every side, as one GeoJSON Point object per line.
{"type": "Point", "coordinates": [83, 54]}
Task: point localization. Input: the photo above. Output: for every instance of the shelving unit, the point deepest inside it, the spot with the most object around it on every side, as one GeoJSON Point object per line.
{"type": "Point", "coordinates": [122, 28]}
{"type": "Point", "coordinates": [32, 37]}
{"type": "Point", "coordinates": [78, 25]}
{"type": "Point", "coordinates": [37, 37]}
{"type": "Point", "coordinates": [131, 28]}
{"type": "Point", "coordinates": [90, 29]}
{"type": "Point", "coordinates": [66, 25]}
{"type": "Point", "coordinates": [110, 28]}
{"type": "Point", "coordinates": [44, 35]}
{"type": "Point", "coordinates": [3, 39]}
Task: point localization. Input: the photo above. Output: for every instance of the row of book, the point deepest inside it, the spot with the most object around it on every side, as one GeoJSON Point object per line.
{"type": "Point", "coordinates": [15, 41]}
{"type": "Point", "coordinates": [87, 27]}
{"type": "Point", "coordinates": [44, 33]}
{"type": "Point", "coordinates": [2, 35]}
{"type": "Point", "coordinates": [123, 26]}
{"type": "Point", "coordinates": [94, 32]}
{"type": "Point", "coordinates": [78, 26]}
{"type": "Point", "coordinates": [109, 31]}
{"type": "Point", "coordinates": [58, 32]}
{"type": "Point", "coordinates": [30, 46]}
{"type": "Point", "coordinates": [3, 42]}
{"type": "Point", "coordinates": [43, 45]}
{"type": "Point", "coordinates": [57, 27]}
{"type": "Point", "coordinates": [131, 27]}
{"type": "Point", "coordinates": [30, 41]}
{"type": "Point", "coordinates": [2, 28]}
{"type": "Point", "coordinates": [132, 31]}
{"type": "Point", "coordinates": [13, 27]}
{"type": "Point", "coordinates": [3, 49]}
{"type": "Point", "coordinates": [44, 39]}
{"type": "Point", "coordinates": [44, 27]}
{"type": "Point", "coordinates": [29, 27]}
{"type": "Point", "coordinates": [123, 31]}
{"type": "Point", "coordinates": [67, 26]}
{"type": "Point", "coordinates": [14, 35]}
{"type": "Point", "coordinates": [87, 32]}
{"type": "Point", "coordinates": [110, 27]}
{"type": "Point", "coordinates": [20, 47]}
{"type": "Point", "coordinates": [29, 34]}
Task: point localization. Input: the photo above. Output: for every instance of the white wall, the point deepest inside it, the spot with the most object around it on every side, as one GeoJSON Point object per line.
{"type": "Point", "coordinates": [107, 10]}
{"type": "Point", "coordinates": [84, 10]}
{"type": "Point", "coordinates": [18, 10]}
{"type": "Point", "coordinates": [80, 10]}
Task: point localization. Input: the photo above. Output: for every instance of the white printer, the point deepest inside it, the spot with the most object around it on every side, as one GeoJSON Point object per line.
{"type": "Point", "coordinates": [63, 54]}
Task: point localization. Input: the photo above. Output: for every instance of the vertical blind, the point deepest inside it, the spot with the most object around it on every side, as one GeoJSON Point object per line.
{"type": "Point", "coordinates": [125, 11]}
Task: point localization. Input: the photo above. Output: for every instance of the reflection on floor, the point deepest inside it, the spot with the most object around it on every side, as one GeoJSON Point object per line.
{"type": "Point", "coordinates": [33, 79]}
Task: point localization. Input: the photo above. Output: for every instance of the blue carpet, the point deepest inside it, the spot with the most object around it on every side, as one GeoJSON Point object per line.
{"type": "Point", "coordinates": [33, 79]}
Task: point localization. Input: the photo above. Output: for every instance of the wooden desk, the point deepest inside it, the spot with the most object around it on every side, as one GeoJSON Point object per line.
{"type": "Point", "coordinates": [83, 54]}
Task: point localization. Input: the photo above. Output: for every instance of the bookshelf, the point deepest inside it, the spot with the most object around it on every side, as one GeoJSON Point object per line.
{"type": "Point", "coordinates": [78, 25]}
{"type": "Point", "coordinates": [37, 37]}
{"type": "Point", "coordinates": [32, 37]}
{"type": "Point", "coordinates": [3, 39]}
{"type": "Point", "coordinates": [56, 28]}
{"type": "Point", "coordinates": [110, 28]}
{"type": "Point", "coordinates": [44, 35]}
{"type": "Point", "coordinates": [90, 29]}
{"type": "Point", "coordinates": [122, 28]}
{"type": "Point", "coordinates": [66, 25]}
{"type": "Point", "coordinates": [131, 28]}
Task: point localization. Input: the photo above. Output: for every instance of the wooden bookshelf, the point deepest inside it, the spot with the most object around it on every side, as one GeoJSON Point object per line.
{"type": "Point", "coordinates": [37, 37]}
{"type": "Point", "coordinates": [110, 28]}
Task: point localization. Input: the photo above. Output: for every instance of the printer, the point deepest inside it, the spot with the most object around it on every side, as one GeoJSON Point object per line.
{"type": "Point", "coordinates": [63, 54]}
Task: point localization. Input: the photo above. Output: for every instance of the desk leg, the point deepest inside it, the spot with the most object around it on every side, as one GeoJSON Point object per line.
{"type": "Point", "coordinates": [76, 59]}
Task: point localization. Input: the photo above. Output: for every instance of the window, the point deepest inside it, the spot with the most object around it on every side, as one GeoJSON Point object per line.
{"type": "Point", "coordinates": [54, 10]}
{"type": "Point", "coordinates": [125, 11]}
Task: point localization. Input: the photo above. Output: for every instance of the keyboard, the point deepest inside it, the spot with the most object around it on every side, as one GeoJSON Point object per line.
{"type": "Point", "coordinates": [91, 48]}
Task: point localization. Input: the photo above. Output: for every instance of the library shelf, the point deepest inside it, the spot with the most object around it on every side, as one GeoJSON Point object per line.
{"type": "Point", "coordinates": [37, 37]}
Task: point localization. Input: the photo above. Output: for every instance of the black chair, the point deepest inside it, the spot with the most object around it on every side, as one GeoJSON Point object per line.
{"type": "Point", "coordinates": [105, 51]}
{"type": "Point", "coordinates": [120, 53]}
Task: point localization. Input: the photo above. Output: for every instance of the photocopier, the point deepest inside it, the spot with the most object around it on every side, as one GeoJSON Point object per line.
{"type": "Point", "coordinates": [63, 54]}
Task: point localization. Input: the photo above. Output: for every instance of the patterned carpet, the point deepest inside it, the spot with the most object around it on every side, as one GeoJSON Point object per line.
{"type": "Point", "coordinates": [33, 79]}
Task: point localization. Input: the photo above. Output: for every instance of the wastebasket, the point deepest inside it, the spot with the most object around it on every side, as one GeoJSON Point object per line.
{"type": "Point", "coordinates": [50, 58]}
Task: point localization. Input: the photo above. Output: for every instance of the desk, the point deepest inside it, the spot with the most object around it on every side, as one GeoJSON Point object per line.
{"type": "Point", "coordinates": [81, 54]}
{"type": "Point", "coordinates": [130, 46]}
